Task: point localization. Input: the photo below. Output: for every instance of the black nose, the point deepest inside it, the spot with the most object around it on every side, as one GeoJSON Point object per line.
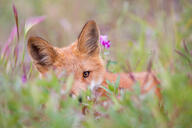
{"type": "Point", "coordinates": [70, 94]}
{"type": "Point", "coordinates": [80, 99]}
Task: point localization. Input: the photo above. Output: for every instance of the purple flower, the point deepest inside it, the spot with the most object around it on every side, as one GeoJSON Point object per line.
{"type": "Point", "coordinates": [104, 41]}
{"type": "Point", "coordinates": [12, 35]}
{"type": "Point", "coordinates": [24, 78]}
{"type": "Point", "coordinates": [33, 21]}
{"type": "Point", "coordinates": [191, 52]}
{"type": "Point", "coordinates": [16, 19]}
{"type": "Point", "coordinates": [6, 49]}
{"type": "Point", "coordinates": [15, 10]}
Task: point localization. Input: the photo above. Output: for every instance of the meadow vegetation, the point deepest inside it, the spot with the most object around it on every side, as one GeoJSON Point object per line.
{"type": "Point", "coordinates": [145, 35]}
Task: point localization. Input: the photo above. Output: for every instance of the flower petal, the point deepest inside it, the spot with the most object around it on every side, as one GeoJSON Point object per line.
{"type": "Point", "coordinates": [33, 21]}
{"type": "Point", "coordinates": [24, 78]}
{"type": "Point", "coordinates": [9, 40]}
{"type": "Point", "coordinates": [103, 38]}
{"type": "Point", "coordinates": [16, 19]}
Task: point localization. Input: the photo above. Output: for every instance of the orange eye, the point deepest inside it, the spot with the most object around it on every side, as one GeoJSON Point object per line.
{"type": "Point", "coordinates": [86, 74]}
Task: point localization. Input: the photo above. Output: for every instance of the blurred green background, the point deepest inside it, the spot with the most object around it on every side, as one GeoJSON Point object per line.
{"type": "Point", "coordinates": [140, 31]}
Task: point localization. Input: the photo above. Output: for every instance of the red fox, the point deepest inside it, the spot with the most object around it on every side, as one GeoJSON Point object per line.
{"type": "Point", "coordinates": [82, 59]}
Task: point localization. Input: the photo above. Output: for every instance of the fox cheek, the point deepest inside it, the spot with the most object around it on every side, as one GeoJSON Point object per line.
{"type": "Point", "coordinates": [42, 53]}
{"type": "Point", "coordinates": [88, 39]}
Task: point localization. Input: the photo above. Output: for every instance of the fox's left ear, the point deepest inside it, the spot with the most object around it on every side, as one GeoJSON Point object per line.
{"type": "Point", "coordinates": [42, 53]}
{"type": "Point", "coordinates": [88, 39]}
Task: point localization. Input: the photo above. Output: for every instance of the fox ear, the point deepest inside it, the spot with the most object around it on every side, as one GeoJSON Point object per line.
{"type": "Point", "coordinates": [88, 39]}
{"type": "Point", "coordinates": [41, 52]}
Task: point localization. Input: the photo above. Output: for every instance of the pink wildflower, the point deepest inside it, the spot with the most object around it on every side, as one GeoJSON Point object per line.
{"type": "Point", "coordinates": [6, 49]}
{"type": "Point", "coordinates": [104, 41]}
{"type": "Point", "coordinates": [33, 21]}
{"type": "Point", "coordinates": [16, 19]}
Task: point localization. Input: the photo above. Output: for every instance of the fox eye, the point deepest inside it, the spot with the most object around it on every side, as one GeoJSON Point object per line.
{"type": "Point", "coordinates": [86, 74]}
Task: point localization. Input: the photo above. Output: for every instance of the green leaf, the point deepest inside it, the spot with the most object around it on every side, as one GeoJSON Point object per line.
{"type": "Point", "coordinates": [106, 89]}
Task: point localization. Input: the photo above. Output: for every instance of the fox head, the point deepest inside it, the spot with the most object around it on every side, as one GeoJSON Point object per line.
{"type": "Point", "coordinates": [81, 58]}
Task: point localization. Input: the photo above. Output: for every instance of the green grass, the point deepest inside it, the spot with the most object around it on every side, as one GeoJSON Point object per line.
{"type": "Point", "coordinates": [140, 31]}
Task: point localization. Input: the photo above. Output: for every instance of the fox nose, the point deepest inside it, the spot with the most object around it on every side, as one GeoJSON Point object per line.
{"type": "Point", "coordinates": [80, 99]}
{"type": "Point", "coordinates": [72, 95]}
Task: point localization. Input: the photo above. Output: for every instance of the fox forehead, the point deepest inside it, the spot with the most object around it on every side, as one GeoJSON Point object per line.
{"type": "Point", "coordinates": [71, 60]}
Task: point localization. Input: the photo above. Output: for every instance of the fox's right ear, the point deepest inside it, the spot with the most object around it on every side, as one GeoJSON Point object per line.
{"type": "Point", "coordinates": [42, 53]}
{"type": "Point", "coordinates": [88, 39]}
